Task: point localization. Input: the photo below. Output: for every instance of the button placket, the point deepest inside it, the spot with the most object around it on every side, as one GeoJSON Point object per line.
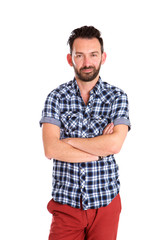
{"type": "Point", "coordinates": [85, 123]}
{"type": "Point", "coordinates": [82, 178]}
{"type": "Point", "coordinates": [91, 99]}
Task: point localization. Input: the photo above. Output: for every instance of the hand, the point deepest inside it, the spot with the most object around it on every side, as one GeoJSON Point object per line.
{"type": "Point", "coordinates": [108, 129]}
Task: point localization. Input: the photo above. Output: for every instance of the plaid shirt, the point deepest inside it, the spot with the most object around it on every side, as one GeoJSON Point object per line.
{"type": "Point", "coordinates": [97, 182]}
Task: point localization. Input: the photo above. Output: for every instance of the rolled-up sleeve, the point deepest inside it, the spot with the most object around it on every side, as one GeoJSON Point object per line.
{"type": "Point", "coordinates": [120, 111]}
{"type": "Point", "coordinates": [50, 113]}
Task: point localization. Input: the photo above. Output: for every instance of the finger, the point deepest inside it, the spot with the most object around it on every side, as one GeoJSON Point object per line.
{"type": "Point", "coordinates": [108, 129]}
{"type": "Point", "coordinates": [111, 126]}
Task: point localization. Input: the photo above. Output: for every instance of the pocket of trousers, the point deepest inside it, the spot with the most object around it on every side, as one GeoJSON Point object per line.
{"type": "Point", "coordinates": [50, 206]}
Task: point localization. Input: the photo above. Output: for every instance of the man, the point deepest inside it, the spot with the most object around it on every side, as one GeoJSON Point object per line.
{"type": "Point", "coordinates": [85, 122]}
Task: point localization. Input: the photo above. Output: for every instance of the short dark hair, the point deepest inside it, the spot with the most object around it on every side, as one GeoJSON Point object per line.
{"type": "Point", "coordinates": [85, 32]}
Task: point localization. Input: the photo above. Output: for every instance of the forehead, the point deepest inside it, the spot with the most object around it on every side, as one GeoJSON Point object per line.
{"type": "Point", "coordinates": [86, 45]}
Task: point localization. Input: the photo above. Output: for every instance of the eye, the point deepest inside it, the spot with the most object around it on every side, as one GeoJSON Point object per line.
{"type": "Point", "coordinates": [78, 55]}
{"type": "Point", "coordinates": [94, 54]}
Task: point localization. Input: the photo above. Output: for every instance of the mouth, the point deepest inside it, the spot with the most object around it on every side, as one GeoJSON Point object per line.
{"type": "Point", "coordinates": [87, 70]}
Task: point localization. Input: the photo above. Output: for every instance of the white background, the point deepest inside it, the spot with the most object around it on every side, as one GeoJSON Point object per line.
{"type": "Point", "coordinates": [33, 62]}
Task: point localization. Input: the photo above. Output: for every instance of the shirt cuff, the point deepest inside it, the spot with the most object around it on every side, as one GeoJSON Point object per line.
{"type": "Point", "coordinates": [49, 120]}
{"type": "Point", "coordinates": [122, 121]}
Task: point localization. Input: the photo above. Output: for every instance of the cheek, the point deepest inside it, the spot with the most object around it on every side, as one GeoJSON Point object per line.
{"type": "Point", "coordinates": [97, 64]}
{"type": "Point", "coordinates": [96, 61]}
{"type": "Point", "coordinates": [77, 64]}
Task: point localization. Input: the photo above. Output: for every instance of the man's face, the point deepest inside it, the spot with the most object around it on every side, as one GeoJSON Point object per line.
{"type": "Point", "coordinates": [87, 58]}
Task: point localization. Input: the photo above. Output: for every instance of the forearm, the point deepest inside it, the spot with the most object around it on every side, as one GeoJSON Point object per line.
{"type": "Point", "coordinates": [67, 153]}
{"type": "Point", "coordinates": [91, 145]}
{"type": "Point", "coordinates": [57, 149]}
{"type": "Point", "coordinates": [103, 145]}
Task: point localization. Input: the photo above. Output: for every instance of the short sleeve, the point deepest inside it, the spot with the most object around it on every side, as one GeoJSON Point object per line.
{"type": "Point", "coordinates": [120, 111]}
{"type": "Point", "coordinates": [50, 113]}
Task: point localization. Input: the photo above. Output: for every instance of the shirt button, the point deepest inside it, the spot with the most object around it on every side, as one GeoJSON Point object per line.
{"type": "Point", "coordinates": [89, 104]}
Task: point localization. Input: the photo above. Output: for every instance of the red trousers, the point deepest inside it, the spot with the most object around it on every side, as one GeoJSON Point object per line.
{"type": "Point", "coordinates": [77, 224]}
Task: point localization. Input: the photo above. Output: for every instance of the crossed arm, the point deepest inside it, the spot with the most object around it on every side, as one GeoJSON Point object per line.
{"type": "Point", "coordinates": [57, 149]}
{"type": "Point", "coordinates": [104, 145]}
{"type": "Point", "coordinates": [82, 149]}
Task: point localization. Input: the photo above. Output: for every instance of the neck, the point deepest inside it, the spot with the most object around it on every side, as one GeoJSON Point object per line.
{"type": "Point", "coordinates": [86, 87]}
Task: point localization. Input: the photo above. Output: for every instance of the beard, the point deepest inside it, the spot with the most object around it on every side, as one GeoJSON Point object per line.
{"type": "Point", "coordinates": [87, 76]}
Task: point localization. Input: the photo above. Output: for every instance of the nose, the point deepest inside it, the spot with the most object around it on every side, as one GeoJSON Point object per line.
{"type": "Point", "coordinates": [86, 61]}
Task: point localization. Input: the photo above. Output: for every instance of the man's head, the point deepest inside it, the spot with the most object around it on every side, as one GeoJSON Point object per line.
{"type": "Point", "coordinates": [85, 32]}
{"type": "Point", "coordinates": [86, 53]}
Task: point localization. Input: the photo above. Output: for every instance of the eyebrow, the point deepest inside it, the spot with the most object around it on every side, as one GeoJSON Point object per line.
{"type": "Point", "coordinates": [90, 52]}
{"type": "Point", "coordinates": [78, 53]}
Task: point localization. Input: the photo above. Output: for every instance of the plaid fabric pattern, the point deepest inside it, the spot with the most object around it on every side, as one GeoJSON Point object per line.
{"type": "Point", "coordinates": [97, 183]}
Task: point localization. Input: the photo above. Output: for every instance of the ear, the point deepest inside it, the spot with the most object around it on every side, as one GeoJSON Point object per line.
{"type": "Point", "coordinates": [69, 59]}
{"type": "Point", "coordinates": [104, 56]}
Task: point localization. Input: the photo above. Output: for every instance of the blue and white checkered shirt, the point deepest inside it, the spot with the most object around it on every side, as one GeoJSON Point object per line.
{"type": "Point", "coordinates": [97, 182]}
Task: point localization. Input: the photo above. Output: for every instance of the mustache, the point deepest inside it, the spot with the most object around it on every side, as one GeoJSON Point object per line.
{"type": "Point", "coordinates": [84, 68]}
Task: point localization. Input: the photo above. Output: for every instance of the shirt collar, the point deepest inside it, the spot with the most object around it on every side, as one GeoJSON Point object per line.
{"type": "Point", "coordinates": [75, 87]}
{"type": "Point", "coordinates": [97, 88]}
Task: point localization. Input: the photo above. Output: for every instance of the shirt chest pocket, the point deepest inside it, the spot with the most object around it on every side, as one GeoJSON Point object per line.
{"type": "Point", "coordinates": [97, 125]}
{"type": "Point", "coordinates": [70, 124]}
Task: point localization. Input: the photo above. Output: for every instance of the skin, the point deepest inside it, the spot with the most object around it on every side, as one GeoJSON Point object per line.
{"type": "Point", "coordinates": [63, 151]}
{"type": "Point", "coordinates": [86, 53]}
{"type": "Point", "coordinates": [86, 59]}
